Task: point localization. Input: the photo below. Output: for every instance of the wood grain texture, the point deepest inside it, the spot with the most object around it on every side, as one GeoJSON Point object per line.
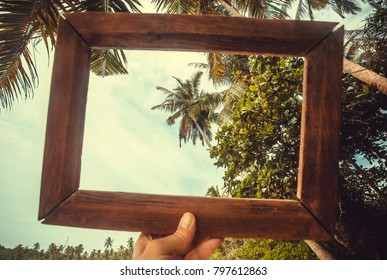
{"type": "Point", "coordinates": [160, 214]}
{"type": "Point", "coordinates": [65, 121]}
{"type": "Point", "coordinates": [199, 33]}
{"type": "Point", "coordinates": [320, 130]}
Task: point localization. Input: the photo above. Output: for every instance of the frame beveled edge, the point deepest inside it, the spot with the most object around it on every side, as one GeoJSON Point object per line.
{"type": "Point", "coordinates": [57, 203]}
{"type": "Point", "coordinates": [320, 130]}
{"type": "Point", "coordinates": [209, 33]}
{"type": "Point", "coordinates": [160, 214]}
{"type": "Point", "coordinates": [65, 120]}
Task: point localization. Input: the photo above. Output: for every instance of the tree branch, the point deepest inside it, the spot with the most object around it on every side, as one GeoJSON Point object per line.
{"type": "Point", "coordinates": [371, 184]}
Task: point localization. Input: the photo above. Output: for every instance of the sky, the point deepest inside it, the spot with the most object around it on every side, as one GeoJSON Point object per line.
{"type": "Point", "coordinates": [127, 146]}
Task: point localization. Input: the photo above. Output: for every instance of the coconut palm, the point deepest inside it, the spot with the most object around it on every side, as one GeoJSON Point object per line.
{"type": "Point", "coordinates": [25, 23]}
{"type": "Point", "coordinates": [18, 251]}
{"type": "Point", "coordinates": [108, 243]}
{"type": "Point", "coordinates": [121, 252]}
{"type": "Point", "coordinates": [195, 107]}
{"type": "Point", "coordinates": [78, 251]}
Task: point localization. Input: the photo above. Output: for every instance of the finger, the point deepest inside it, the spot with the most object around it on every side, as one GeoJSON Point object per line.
{"type": "Point", "coordinates": [204, 249]}
{"type": "Point", "coordinates": [178, 243]}
{"type": "Point", "coordinates": [140, 245]}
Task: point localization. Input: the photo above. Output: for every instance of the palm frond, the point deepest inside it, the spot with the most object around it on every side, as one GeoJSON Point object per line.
{"type": "Point", "coordinates": [171, 119]}
{"type": "Point", "coordinates": [199, 65]}
{"type": "Point", "coordinates": [108, 62]}
{"type": "Point", "coordinates": [185, 129]}
{"type": "Point", "coordinates": [301, 10]}
{"type": "Point", "coordinates": [164, 90]}
{"type": "Point", "coordinates": [165, 106]}
{"type": "Point", "coordinates": [205, 7]}
{"type": "Point", "coordinates": [253, 8]}
{"type": "Point", "coordinates": [227, 98]}
{"type": "Point", "coordinates": [282, 8]}
{"type": "Point", "coordinates": [109, 6]}
{"type": "Point", "coordinates": [20, 22]}
{"type": "Point", "coordinates": [217, 67]}
{"type": "Point", "coordinates": [176, 6]}
{"type": "Point", "coordinates": [342, 7]}
{"type": "Point", "coordinates": [195, 83]}
{"type": "Point", "coordinates": [213, 191]}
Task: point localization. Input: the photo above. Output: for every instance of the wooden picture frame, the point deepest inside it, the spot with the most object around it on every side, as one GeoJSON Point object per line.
{"type": "Point", "coordinates": [311, 216]}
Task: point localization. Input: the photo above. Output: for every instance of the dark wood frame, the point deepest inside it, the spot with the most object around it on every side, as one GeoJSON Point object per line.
{"type": "Point", "coordinates": [311, 216]}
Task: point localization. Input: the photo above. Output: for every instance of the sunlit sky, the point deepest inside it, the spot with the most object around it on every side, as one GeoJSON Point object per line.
{"type": "Point", "coordinates": [127, 146]}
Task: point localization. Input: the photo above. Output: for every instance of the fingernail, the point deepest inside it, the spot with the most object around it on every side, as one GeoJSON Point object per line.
{"type": "Point", "coordinates": [186, 221]}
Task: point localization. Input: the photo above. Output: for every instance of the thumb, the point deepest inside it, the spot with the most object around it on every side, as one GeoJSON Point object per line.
{"type": "Point", "coordinates": [178, 243]}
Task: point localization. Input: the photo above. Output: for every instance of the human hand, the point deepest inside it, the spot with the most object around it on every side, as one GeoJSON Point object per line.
{"type": "Point", "coordinates": [177, 246]}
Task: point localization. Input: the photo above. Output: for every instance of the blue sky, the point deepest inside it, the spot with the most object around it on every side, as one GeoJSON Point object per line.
{"type": "Point", "coordinates": [127, 147]}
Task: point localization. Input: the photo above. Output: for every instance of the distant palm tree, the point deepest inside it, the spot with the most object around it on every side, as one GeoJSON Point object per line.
{"type": "Point", "coordinates": [121, 252]}
{"type": "Point", "coordinates": [18, 251]}
{"type": "Point", "coordinates": [36, 249]}
{"type": "Point", "coordinates": [195, 107]}
{"type": "Point", "coordinates": [52, 251]}
{"type": "Point", "coordinates": [36, 246]}
{"type": "Point", "coordinates": [109, 243]}
{"type": "Point", "coordinates": [78, 251]}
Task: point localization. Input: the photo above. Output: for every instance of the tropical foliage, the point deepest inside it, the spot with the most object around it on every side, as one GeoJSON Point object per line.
{"type": "Point", "coordinates": [259, 151]}
{"type": "Point", "coordinates": [68, 252]}
{"type": "Point", "coordinates": [259, 249]}
{"type": "Point", "coordinates": [25, 23]}
{"type": "Point", "coordinates": [260, 145]}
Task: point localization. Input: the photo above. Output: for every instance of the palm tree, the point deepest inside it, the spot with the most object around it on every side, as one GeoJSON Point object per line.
{"type": "Point", "coordinates": [109, 243]}
{"type": "Point", "coordinates": [24, 23]}
{"type": "Point", "coordinates": [36, 249]}
{"type": "Point", "coordinates": [195, 107]}
{"type": "Point", "coordinates": [78, 251]}
{"type": "Point", "coordinates": [130, 246]}
{"type": "Point", "coordinates": [52, 251]}
{"type": "Point", "coordinates": [36, 246]}
{"type": "Point", "coordinates": [18, 251]}
{"type": "Point", "coordinates": [121, 252]}
{"type": "Point", "coordinates": [70, 252]}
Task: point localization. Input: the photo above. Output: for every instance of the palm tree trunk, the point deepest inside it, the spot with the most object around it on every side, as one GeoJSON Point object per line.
{"type": "Point", "coordinates": [320, 252]}
{"type": "Point", "coordinates": [203, 135]}
{"type": "Point", "coordinates": [365, 75]}
{"type": "Point", "coordinates": [367, 179]}
{"type": "Point", "coordinates": [230, 9]}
